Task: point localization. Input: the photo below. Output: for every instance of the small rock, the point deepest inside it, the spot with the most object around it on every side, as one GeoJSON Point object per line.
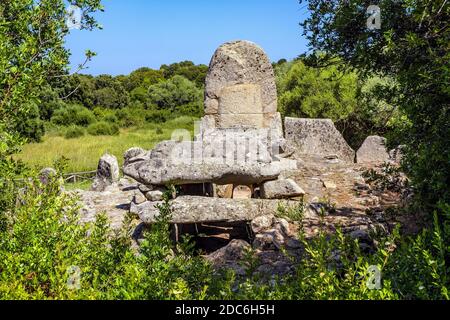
{"type": "Point", "coordinates": [139, 198]}
{"type": "Point", "coordinates": [269, 240]}
{"type": "Point", "coordinates": [107, 173]}
{"type": "Point", "coordinates": [293, 243]}
{"type": "Point", "coordinates": [155, 195]}
{"type": "Point", "coordinates": [329, 184]}
{"type": "Point", "coordinates": [396, 155]}
{"type": "Point", "coordinates": [46, 174]}
{"type": "Point", "coordinates": [262, 223]}
{"type": "Point", "coordinates": [373, 151]}
{"type": "Point", "coordinates": [132, 153]}
{"type": "Point", "coordinates": [144, 189]}
{"type": "Point", "coordinates": [282, 225]}
{"type": "Point", "coordinates": [224, 191]}
{"type": "Point", "coordinates": [361, 235]}
{"type": "Point", "coordinates": [280, 189]}
{"type": "Point", "coordinates": [242, 192]}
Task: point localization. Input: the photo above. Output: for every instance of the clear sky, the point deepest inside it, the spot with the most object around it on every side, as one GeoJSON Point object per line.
{"type": "Point", "coordinates": [138, 33]}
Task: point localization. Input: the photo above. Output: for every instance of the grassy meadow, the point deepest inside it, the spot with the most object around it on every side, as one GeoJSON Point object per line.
{"type": "Point", "coordinates": [84, 152]}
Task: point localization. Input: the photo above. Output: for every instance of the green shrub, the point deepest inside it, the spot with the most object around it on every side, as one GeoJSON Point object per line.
{"type": "Point", "coordinates": [73, 115]}
{"type": "Point", "coordinates": [130, 117]}
{"type": "Point", "coordinates": [157, 116]}
{"type": "Point", "coordinates": [74, 132]}
{"type": "Point", "coordinates": [103, 129]}
{"type": "Point", "coordinates": [45, 243]}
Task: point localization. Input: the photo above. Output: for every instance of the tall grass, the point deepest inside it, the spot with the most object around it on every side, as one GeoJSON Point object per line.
{"type": "Point", "coordinates": [83, 152]}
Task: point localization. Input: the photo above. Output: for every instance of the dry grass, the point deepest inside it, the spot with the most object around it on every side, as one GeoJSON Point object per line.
{"type": "Point", "coordinates": [83, 153]}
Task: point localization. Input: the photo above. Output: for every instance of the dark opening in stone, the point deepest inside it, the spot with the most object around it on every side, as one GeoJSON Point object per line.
{"type": "Point", "coordinates": [209, 237]}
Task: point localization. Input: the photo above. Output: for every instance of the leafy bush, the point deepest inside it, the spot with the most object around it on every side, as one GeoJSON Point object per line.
{"type": "Point", "coordinates": [315, 93]}
{"type": "Point", "coordinates": [29, 125]}
{"type": "Point", "coordinates": [102, 128]}
{"type": "Point", "coordinates": [44, 248]}
{"type": "Point", "coordinates": [74, 132]}
{"type": "Point", "coordinates": [129, 117]}
{"type": "Point", "coordinates": [157, 116]}
{"type": "Point", "coordinates": [173, 93]}
{"type": "Point", "coordinates": [73, 115]}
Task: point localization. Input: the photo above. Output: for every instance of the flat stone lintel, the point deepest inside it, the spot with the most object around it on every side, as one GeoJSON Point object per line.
{"type": "Point", "coordinates": [192, 209]}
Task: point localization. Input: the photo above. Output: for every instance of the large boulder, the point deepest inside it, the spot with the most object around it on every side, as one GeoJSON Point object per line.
{"type": "Point", "coordinates": [188, 162]}
{"type": "Point", "coordinates": [107, 173]}
{"type": "Point", "coordinates": [373, 151]}
{"type": "Point", "coordinates": [280, 189]}
{"type": "Point", "coordinates": [240, 80]}
{"type": "Point", "coordinates": [240, 90]}
{"type": "Point", "coordinates": [132, 153]}
{"type": "Point", "coordinates": [317, 137]}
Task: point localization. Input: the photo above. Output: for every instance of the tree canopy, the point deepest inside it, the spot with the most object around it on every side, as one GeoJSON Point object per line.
{"type": "Point", "coordinates": [411, 45]}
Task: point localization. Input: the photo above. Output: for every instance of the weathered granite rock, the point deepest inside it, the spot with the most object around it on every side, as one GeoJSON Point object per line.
{"type": "Point", "coordinates": [144, 189]}
{"type": "Point", "coordinates": [230, 256]}
{"type": "Point", "coordinates": [317, 137]}
{"type": "Point", "coordinates": [224, 191]}
{"type": "Point", "coordinates": [396, 155]}
{"type": "Point", "coordinates": [280, 189]}
{"type": "Point", "coordinates": [262, 223]}
{"type": "Point", "coordinates": [155, 195]}
{"type": "Point", "coordinates": [173, 163]}
{"type": "Point", "coordinates": [240, 78]}
{"type": "Point", "coordinates": [107, 173]}
{"type": "Point", "coordinates": [240, 90]}
{"type": "Point", "coordinates": [190, 209]}
{"type": "Point", "coordinates": [234, 145]}
{"type": "Point", "coordinates": [46, 174]}
{"type": "Point", "coordinates": [242, 192]}
{"type": "Point", "coordinates": [132, 153]}
{"type": "Point", "coordinates": [373, 151]}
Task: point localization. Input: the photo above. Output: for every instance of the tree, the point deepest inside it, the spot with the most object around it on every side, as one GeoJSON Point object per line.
{"type": "Point", "coordinates": [175, 93]}
{"type": "Point", "coordinates": [314, 92]}
{"type": "Point", "coordinates": [109, 93]}
{"type": "Point", "coordinates": [411, 46]}
{"type": "Point", "coordinates": [32, 51]}
{"type": "Point", "coordinates": [186, 69]}
{"type": "Point", "coordinates": [142, 77]}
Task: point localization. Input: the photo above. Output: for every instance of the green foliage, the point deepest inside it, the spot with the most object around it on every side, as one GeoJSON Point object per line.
{"type": "Point", "coordinates": [376, 113]}
{"type": "Point", "coordinates": [74, 132]}
{"type": "Point", "coordinates": [186, 69]}
{"type": "Point", "coordinates": [130, 117]}
{"type": "Point", "coordinates": [157, 116]}
{"type": "Point", "coordinates": [388, 178]}
{"type": "Point", "coordinates": [173, 93]}
{"type": "Point", "coordinates": [142, 78]}
{"type": "Point", "coordinates": [291, 213]}
{"type": "Point", "coordinates": [102, 128]}
{"type": "Point", "coordinates": [411, 47]}
{"type": "Point", "coordinates": [42, 242]}
{"type": "Point", "coordinates": [32, 51]}
{"type": "Point", "coordinates": [73, 115]}
{"type": "Point", "coordinates": [109, 93]}
{"type": "Point", "coordinates": [315, 93]}
{"type": "Point", "coordinates": [419, 269]}
{"type": "Point", "coordinates": [31, 126]}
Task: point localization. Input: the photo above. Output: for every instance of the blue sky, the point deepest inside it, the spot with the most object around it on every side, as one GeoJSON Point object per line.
{"type": "Point", "coordinates": [138, 33]}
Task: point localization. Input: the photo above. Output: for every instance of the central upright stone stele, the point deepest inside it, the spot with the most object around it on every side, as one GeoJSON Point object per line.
{"type": "Point", "coordinates": [240, 90]}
